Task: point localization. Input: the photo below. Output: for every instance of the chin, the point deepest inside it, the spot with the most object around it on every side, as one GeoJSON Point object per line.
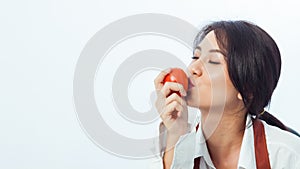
{"type": "Point", "coordinates": [192, 98]}
{"type": "Point", "coordinates": [192, 101]}
{"type": "Point", "coordinates": [192, 105]}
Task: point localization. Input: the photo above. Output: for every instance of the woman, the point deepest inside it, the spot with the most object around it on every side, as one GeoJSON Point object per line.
{"type": "Point", "coordinates": [233, 73]}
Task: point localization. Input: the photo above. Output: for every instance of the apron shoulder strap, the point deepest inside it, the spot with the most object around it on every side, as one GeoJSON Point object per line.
{"type": "Point", "coordinates": [260, 144]}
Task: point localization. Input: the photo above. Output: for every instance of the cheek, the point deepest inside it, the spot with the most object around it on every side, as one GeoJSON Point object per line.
{"type": "Point", "coordinates": [215, 89]}
{"type": "Point", "coordinates": [199, 96]}
{"type": "Point", "coordinates": [231, 93]}
{"type": "Point", "coordinates": [217, 84]}
{"type": "Point", "coordinates": [212, 89]}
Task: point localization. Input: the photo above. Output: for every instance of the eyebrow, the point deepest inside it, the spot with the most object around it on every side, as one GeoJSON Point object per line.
{"type": "Point", "coordinates": [212, 50]}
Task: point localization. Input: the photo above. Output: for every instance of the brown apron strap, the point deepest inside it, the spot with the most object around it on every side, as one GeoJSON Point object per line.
{"type": "Point", "coordinates": [197, 163]}
{"type": "Point", "coordinates": [197, 127]}
{"type": "Point", "coordinates": [197, 160]}
{"type": "Point", "coordinates": [260, 146]}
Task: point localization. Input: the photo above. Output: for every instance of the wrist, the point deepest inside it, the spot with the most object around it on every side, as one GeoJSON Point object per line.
{"type": "Point", "coordinates": [179, 131]}
{"type": "Point", "coordinates": [173, 136]}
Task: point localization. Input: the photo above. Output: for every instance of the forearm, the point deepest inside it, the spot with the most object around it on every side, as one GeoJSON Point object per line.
{"type": "Point", "coordinates": [168, 158]}
{"type": "Point", "coordinates": [168, 141]}
{"type": "Point", "coordinates": [169, 150]}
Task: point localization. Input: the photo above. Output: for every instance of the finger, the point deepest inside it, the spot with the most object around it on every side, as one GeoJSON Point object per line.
{"type": "Point", "coordinates": [172, 86]}
{"type": "Point", "coordinates": [175, 97]}
{"type": "Point", "coordinates": [160, 102]}
{"type": "Point", "coordinates": [159, 80]}
{"type": "Point", "coordinates": [171, 110]}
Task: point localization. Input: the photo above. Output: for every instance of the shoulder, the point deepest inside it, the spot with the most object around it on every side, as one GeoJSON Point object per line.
{"type": "Point", "coordinates": [283, 147]}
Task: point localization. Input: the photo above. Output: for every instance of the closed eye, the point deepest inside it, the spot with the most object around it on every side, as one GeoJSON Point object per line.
{"type": "Point", "coordinates": [195, 57]}
{"type": "Point", "coordinates": [213, 62]}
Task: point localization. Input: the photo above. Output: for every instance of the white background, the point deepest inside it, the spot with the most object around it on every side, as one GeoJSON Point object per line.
{"type": "Point", "coordinates": [40, 42]}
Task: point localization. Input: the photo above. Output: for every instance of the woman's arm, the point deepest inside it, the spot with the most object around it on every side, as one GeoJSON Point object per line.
{"type": "Point", "coordinates": [169, 151]}
{"type": "Point", "coordinates": [173, 112]}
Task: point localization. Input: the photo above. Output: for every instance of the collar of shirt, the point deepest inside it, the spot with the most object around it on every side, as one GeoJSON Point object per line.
{"type": "Point", "coordinates": [247, 152]}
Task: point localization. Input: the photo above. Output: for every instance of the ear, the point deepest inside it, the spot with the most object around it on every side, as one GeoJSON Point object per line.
{"type": "Point", "coordinates": [239, 96]}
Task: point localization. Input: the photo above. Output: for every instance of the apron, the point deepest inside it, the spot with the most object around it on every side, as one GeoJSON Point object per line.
{"type": "Point", "coordinates": [260, 145]}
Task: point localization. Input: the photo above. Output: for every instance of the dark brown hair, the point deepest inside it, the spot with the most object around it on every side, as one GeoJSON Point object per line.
{"type": "Point", "coordinates": [253, 61]}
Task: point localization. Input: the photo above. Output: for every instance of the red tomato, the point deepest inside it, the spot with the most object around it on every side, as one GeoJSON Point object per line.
{"type": "Point", "coordinates": [177, 75]}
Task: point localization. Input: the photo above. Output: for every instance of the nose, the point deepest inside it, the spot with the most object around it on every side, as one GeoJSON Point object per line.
{"type": "Point", "coordinates": [196, 68]}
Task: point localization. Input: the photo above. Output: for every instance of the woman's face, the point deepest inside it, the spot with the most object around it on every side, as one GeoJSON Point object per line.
{"type": "Point", "coordinates": [211, 86]}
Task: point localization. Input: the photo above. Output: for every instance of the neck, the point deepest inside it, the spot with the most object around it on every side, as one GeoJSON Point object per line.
{"type": "Point", "coordinates": [224, 134]}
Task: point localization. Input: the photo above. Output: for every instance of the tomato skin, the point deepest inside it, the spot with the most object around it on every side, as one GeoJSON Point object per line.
{"type": "Point", "coordinates": [179, 76]}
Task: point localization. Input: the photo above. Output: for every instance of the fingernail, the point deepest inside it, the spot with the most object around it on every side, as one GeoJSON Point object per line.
{"type": "Point", "coordinates": [168, 70]}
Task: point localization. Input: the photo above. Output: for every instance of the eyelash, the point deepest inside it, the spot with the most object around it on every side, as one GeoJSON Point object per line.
{"type": "Point", "coordinates": [212, 62]}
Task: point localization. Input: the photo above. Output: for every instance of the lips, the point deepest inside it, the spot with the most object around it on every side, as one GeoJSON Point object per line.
{"type": "Point", "coordinates": [190, 83]}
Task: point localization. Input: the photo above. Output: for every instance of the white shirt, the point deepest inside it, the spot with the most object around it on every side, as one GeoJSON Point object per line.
{"type": "Point", "coordinates": [283, 148]}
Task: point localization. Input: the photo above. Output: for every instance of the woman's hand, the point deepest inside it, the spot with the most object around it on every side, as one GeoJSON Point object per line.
{"type": "Point", "coordinates": [171, 107]}
{"type": "Point", "coordinates": [173, 112]}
